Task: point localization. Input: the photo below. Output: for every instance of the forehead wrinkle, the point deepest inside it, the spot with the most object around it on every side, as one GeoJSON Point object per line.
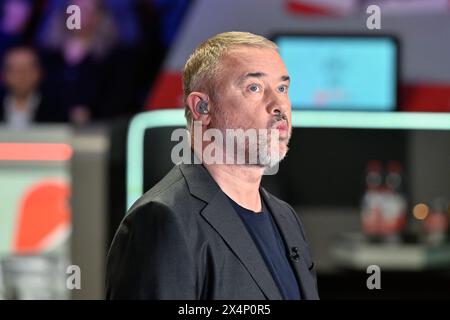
{"type": "Point", "coordinates": [237, 59]}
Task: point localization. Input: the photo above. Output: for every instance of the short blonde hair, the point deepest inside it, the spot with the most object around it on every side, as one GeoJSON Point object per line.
{"type": "Point", "coordinates": [202, 67]}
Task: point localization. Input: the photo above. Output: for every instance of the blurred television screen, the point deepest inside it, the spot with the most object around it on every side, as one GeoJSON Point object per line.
{"type": "Point", "coordinates": [341, 72]}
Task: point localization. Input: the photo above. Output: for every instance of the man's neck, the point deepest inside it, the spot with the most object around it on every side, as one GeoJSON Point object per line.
{"type": "Point", "coordinates": [239, 182]}
{"type": "Point", "coordinates": [21, 101]}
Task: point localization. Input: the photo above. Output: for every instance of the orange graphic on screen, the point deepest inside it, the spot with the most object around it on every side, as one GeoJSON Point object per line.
{"type": "Point", "coordinates": [43, 218]}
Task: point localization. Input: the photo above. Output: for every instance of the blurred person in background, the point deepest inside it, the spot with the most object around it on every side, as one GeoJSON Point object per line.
{"type": "Point", "coordinates": [18, 20]}
{"type": "Point", "coordinates": [14, 17]}
{"type": "Point", "coordinates": [89, 75]}
{"type": "Point", "coordinates": [23, 102]}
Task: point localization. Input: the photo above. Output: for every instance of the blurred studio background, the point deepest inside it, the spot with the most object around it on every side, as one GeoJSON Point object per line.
{"type": "Point", "coordinates": [86, 117]}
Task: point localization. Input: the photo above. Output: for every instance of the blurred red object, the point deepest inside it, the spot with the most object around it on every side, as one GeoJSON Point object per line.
{"type": "Point", "coordinates": [325, 8]}
{"type": "Point", "coordinates": [167, 92]}
{"type": "Point", "coordinates": [425, 97]}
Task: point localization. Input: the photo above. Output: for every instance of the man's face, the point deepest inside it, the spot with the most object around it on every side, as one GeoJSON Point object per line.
{"type": "Point", "coordinates": [21, 72]}
{"type": "Point", "coordinates": [252, 93]}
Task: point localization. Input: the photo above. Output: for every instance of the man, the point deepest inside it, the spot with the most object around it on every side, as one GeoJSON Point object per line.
{"type": "Point", "coordinates": [209, 231]}
{"type": "Point", "coordinates": [22, 103]}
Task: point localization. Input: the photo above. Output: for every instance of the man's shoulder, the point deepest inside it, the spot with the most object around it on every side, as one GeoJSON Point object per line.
{"type": "Point", "coordinates": [168, 205]}
{"type": "Point", "coordinates": [169, 192]}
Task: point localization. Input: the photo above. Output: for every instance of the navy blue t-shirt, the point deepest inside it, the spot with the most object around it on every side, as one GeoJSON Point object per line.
{"type": "Point", "coordinates": [267, 238]}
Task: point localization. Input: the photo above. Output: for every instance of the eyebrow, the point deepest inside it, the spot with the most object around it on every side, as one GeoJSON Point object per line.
{"type": "Point", "coordinates": [259, 75]}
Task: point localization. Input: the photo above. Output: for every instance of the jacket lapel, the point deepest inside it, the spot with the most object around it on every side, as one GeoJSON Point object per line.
{"type": "Point", "coordinates": [292, 238]}
{"type": "Point", "coordinates": [223, 218]}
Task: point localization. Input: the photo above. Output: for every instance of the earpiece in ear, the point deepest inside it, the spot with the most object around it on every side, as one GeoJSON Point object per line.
{"type": "Point", "coordinates": [202, 107]}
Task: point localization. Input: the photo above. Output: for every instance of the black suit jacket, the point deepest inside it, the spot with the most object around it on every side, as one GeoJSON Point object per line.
{"type": "Point", "coordinates": [183, 240]}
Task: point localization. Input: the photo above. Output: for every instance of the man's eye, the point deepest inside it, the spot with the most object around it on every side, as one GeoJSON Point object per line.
{"type": "Point", "coordinates": [253, 88]}
{"type": "Point", "coordinates": [283, 88]}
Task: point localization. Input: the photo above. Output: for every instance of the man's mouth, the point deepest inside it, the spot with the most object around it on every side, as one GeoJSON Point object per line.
{"type": "Point", "coordinates": [282, 127]}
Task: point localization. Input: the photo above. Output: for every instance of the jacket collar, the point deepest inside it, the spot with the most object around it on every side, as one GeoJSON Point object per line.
{"type": "Point", "coordinates": [222, 217]}
{"type": "Point", "coordinates": [292, 239]}
{"type": "Point", "coordinates": [220, 213]}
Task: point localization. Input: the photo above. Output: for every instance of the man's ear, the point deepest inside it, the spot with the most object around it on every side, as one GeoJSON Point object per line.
{"type": "Point", "coordinates": [193, 100]}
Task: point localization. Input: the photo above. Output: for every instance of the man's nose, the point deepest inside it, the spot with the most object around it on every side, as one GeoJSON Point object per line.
{"type": "Point", "coordinates": [277, 103]}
